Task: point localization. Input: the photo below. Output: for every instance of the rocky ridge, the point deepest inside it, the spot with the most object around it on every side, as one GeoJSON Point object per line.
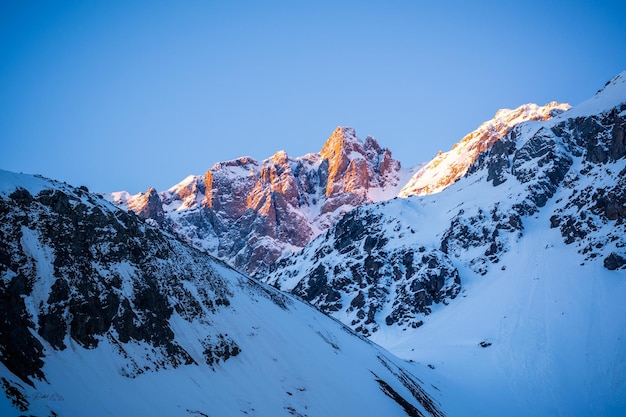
{"type": "Point", "coordinates": [249, 213]}
{"type": "Point", "coordinates": [448, 167]}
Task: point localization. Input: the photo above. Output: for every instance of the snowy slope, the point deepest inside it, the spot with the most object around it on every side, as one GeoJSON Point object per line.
{"type": "Point", "coordinates": [102, 314]}
{"type": "Point", "coordinates": [524, 255]}
{"type": "Point", "coordinates": [555, 330]}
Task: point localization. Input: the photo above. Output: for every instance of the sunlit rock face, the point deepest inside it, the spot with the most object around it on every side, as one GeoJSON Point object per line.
{"type": "Point", "coordinates": [148, 206]}
{"type": "Point", "coordinates": [249, 213]}
{"type": "Point", "coordinates": [448, 167]}
{"type": "Point", "coordinates": [354, 168]}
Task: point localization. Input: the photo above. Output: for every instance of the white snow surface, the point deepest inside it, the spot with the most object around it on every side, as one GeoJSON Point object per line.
{"type": "Point", "coordinates": [9, 181]}
{"type": "Point", "coordinates": [557, 329]}
{"type": "Point", "coordinates": [608, 97]}
{"type": "Point", "coordinates": [291, 361]}
{"type": "Point", "coordinates": [556, 322]}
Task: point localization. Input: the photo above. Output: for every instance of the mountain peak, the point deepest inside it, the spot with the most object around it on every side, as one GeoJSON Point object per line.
{"type": "Point", "coordinates": [279, 158]}
{"type": "Point", "coordinates": [447, 167]}
{"type": "Point", "coordinates": [148, 206]}
{"type": "Point", "coordinates": [617, 82]}
{"type": "Point", "coordinates": [244, 162]}
{"type": "Point", "coordinates": [526, 112]}
{"type": "Point", "coordinates": [342, 141]}
{"type": "Point", "coordinates": [372, 144]}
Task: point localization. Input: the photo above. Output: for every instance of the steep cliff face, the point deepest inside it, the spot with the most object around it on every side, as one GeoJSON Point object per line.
{"type": "Point", "coordinates": [103, 314]}
{"type": "Point", "coordinates": [249, 213]}
{"type": "Point", "coordinates": [148, 206]}
{"type": "Point", "coordinates": [448, 167]}
{"type": "Point", "coordinates": [354, 168]}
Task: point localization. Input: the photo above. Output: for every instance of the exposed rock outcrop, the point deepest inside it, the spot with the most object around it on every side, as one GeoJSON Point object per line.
{"type": "Point", "coordinates": [249, 213]}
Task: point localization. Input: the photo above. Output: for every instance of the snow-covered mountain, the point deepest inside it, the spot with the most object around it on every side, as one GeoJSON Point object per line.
{"type": "Point", "coordinates": [249, 213]}
{"type": "Point", "coordinates": [103, 314]}
{"type": "Point", "coordinates": [510, 281]}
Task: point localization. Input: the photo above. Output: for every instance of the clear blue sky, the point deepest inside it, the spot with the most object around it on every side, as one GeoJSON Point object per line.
{"type": "Point", "coordinates": [123, 95]}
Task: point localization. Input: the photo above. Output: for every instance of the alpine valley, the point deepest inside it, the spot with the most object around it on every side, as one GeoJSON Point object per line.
{"type": "Point", "coordinates": [489, 281]}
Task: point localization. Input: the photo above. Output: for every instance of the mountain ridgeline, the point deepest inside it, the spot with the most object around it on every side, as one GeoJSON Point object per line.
{"type": "Point", "coordinates": [509, 281]}
{"type": "Point", "coordinates": [249, 213]}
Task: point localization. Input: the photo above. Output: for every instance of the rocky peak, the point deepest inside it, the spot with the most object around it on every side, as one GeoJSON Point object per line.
{"type": "Point", "coordinates": [275, 178]}
{"type": "Point", "coordinates": [249, 213]}
{"type": "Point", "coordinates": [344, 152]}
{"type": "Point", "coordinates": [280, 158]}
{"type": "Point", "coordinates": [381, 160]}
{"type": "Point", "coordinates": [188, 191]}
{"type": "Point", "coordinates": [354, 168]}
{"type": "Point", "coordinates": [148, 206]}
{"type": "Point", "coordinates": [371, 145]}
{"type": "Point", "coordinates": [244, 162]}
{"type": "Point", "coordinates": [341, 142]}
